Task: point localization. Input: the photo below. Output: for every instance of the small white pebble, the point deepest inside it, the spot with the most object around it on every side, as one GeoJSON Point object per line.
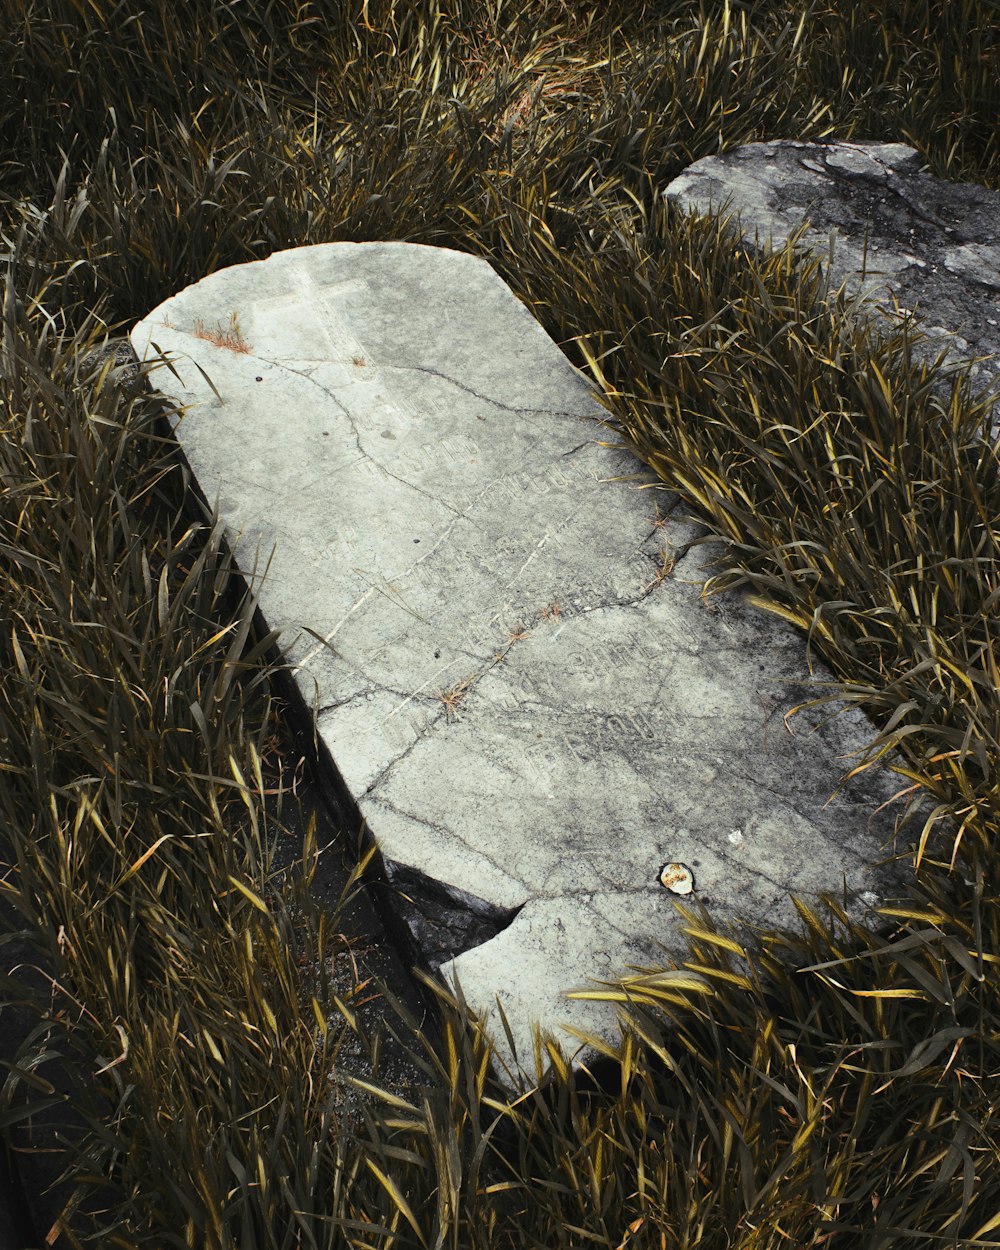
{"type": "Point", "coordinates": [736, 837]}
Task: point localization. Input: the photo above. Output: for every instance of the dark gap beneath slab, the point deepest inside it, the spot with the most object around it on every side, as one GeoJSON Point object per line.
{"type": "Point", "coordinates": [443, 921]}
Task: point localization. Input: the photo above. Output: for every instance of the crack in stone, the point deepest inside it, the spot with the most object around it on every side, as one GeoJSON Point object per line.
{"type": "Point", "coordinates": [609, 891]}
{"type": "Point", "coordinates": [307, 377]}
{"type": "Point", "coordinates": [373, 688]}
{"type": "Point", "coordinates": [412, 485]}
{"type": "Point", "coordinates": [569, 612]}
{"type": "Point", "coordinates": [577, 713]}
{"type": "Point", "coordinates": [573, 450]}
{"type": "Point", "coordinates": [363, 451]}
{"type": "Point", "coordinates": [469, 683]}
{"type": "Point", "coordinates": [444, 831]}
{"type": "Point", "coordinates": [631, 601]}
{"type": "Point", "coordinates": [752, 780]}
{"type": "Point", "coordinates": [786, 801]}
{"type": "Point", "coordinates": [495, 403]}
{"type": "Point", "coordinates": [627, 934]}
{"type": "Point", "coordinates": [397, 760]}
{"type": "Point", "coordinates": [677, 551]}
{"type": "Point", "coordinates": [345, 702]}
{"type": "Point", "coordinates": [740, 866]}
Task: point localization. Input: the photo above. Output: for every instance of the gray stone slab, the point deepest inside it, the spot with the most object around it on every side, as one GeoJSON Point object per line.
{"type": "Point", "coordinates": [533, 707]}
{"type": "Point", "coordinates": [901, 239]}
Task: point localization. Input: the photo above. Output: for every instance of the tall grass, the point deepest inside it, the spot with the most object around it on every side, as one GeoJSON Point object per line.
{"type": "Point", "coordinates": [833, 1089]}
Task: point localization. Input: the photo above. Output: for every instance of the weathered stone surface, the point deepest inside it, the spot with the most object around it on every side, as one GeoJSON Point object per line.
{"type": "Point", "coordinates": [515, 670]}
{"type": "Point", "coordinates": [118, 356]}
{"type": "Point", "coordinates": [900, 236]}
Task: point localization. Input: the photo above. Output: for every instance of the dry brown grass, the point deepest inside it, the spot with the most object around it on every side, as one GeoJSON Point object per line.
{"type": "Point", "coordinates": [232, 339]}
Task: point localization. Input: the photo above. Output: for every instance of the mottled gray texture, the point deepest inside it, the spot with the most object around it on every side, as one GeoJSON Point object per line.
{"type": "Point", "coordinates": [447, 517]}
{"type": "Point", "coordinates": [902, 239]}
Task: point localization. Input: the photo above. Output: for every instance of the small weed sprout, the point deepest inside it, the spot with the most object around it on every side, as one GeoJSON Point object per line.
{"type": "Point", "coordinates": [453, 697]}
{"type": "Point", "coordinates": [668, 562]}
{"type": "Point", "coordinates": [517, 634]}
{"type": "Point", "coordinates": [232, 338]}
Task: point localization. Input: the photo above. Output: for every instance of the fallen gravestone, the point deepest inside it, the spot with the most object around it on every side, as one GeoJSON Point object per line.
{"type": "Point", "coordinates": [904, 241]}
{"type": "Point", "coordinates": [552, 734]}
